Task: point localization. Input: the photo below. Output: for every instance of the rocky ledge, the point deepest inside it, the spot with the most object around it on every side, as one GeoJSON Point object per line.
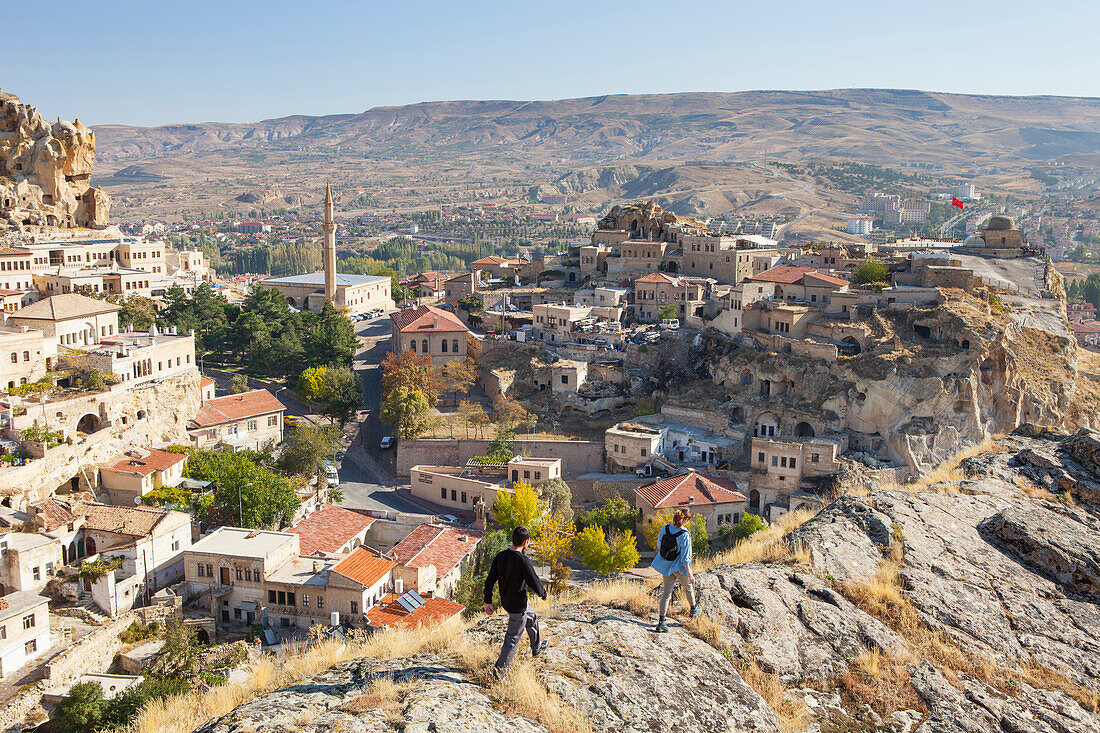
{"type": "Point", "coordinates": [969, 606]}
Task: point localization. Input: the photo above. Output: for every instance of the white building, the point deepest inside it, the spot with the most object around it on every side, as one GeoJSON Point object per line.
{"type": "Point", "coordinates": [24, 630]}
{"type": "Point", "coordinates": [859, 226]}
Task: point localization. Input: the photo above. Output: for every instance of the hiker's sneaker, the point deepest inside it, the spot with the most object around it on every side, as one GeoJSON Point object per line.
{"type": "Point", "coordinates": [497, 674]}
{"type": "Point", "coordinates": [543, 646]}
{"type": "Point", "coordinates": [661, 627]}
{"type": "Point", "coordinates": [696, 610]}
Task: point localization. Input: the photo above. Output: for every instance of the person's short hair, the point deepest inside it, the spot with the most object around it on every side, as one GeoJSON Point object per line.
{"type": "Point", "coordinates": [681, 517]}
{"type": "Point", "coordinates": [520, 535]}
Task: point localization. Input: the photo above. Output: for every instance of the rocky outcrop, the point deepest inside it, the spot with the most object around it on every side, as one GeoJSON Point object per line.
{"type": "Point", "coordinates": [45, 171]}
{"type": "Point", "coordinates": [987, 620]}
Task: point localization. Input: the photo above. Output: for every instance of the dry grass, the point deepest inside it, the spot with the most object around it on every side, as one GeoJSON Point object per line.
{"type": "Point", "coordinates": [767, 545]}
{"type": "Point", "coordinates": [945, 478]}
{"type": "Point", "coordinates": [522, 693]}
{"type": "Point", "coordinates": [793, 713]}
{"type": "Point", "coordinates": [384, 695]}
{"type": "Point", "coordinates": [634, 596]}
{"type": "Point", "coordinates": [883, 682]}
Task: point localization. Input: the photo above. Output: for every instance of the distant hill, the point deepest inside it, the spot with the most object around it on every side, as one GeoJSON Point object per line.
{"type": "Point", "coordinates": [874, 125]}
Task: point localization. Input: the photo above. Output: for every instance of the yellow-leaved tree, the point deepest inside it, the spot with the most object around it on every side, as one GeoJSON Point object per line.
{"type": "Point", "coordinates": [519, 507]}
{"type": "Point", "coordinates": [552, 533]}
{"type": "Point", "coordinates": [652, 526]}
{"type": "Point", "coordinates": [607, 554]}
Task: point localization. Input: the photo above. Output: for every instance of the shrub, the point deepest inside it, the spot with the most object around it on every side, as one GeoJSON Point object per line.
{"type": "Point", "coordinates": [82, 710]}
{"type": "Point", "coordinates": [607, 555]}
{"type": "Point", "coordinates": [138, 631]}
{"type": "Point", "coordinates": [749, 525]}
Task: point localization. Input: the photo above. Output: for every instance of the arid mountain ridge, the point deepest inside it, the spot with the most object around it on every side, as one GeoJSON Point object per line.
{"type": "Point", "coordinates": [872, 125]}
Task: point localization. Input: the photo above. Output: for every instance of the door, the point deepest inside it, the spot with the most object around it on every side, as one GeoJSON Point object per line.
{"type": "Point", "coordinates": [225, 576]}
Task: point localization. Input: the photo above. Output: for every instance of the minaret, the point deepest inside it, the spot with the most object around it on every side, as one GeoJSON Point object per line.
{"type": "Point", "coordinates": [329, 251]}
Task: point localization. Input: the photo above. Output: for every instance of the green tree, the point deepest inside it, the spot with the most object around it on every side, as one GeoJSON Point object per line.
{"type": "Point", "coordinates": [311, 383]}
{"type": "Point", "coordinates": [414, 372]}
{"type": "Point", "coordinates": [238, 383]}
{"type": "Point", "coordinates": [606, 555]}
{"type": "Point", "coordinates": [180, 652]}
{"type": "Point", "coordinates": [138, 313]}
{"type": "Point", "coordinates": [557, 495]}
{"type": "Point", "coordinates": [341, 394]}
{"type": "Point", "coordinates": [331, 339]}
{"type": "Point", "coordinates": [871, 271]}
{"type": "Point", "coordinates": [407, 411]}
{"type": "Point", "coordinates": [700, 542]}
{"type": "Point", "coordinates": [307, 447]}
{"type": "Point", "coordinates": [614, 515]}
{"type": "Point", "coordinates": [666, 312]}
{"type": "Point", "coordinates": [749, 525]}
{"type": "Point", "coordinates": [246, 492]}
{"type": "Point", "coordinates": [471, 585]}
{"type": "Point", "coordinates": [82, 710]}
{"type": "Point", "coordinates": [124, 708]}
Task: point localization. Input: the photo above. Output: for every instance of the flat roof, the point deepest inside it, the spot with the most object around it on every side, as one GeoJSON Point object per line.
{"type": "Point", "coordinates": [254, 543]}
{"type": "Point", "coordinates": [318, 278]}
{"type": "Point", "coordinates": [19, 602]}
{"type": "Point", "coordinates": [300, 571]}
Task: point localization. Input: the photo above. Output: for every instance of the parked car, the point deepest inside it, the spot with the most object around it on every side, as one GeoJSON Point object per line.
{"type": "Point", "coordinates": [290, 420]}
{"type": "Point", "coordinates": [670, 324]}
{"type": "Point", "coordinates": [331, 475]}
{"type": "Point", "coordinates": [449, 518]}
{"type": "Point", "coordinates": [387, 442]}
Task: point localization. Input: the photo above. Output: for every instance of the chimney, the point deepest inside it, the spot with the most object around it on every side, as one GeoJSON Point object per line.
{"type": "Point", "coordinates": [317, 565]}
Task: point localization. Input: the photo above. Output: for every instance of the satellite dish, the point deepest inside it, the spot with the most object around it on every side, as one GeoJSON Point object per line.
{"type": "Point", "coordinates": [137, 499]}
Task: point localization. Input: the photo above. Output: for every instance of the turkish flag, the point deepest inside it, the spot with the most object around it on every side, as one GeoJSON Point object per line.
{"type": "Point", "coordinates": [956, 202]}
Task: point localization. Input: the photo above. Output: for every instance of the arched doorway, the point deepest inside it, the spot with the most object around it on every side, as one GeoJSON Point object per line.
{"type": "Point", "coordinates": [202, 636]}
{"type": "Point", "coordinates": [766, 426]}
{"type": "Point", "coordinates": [853, 344]}
{"type": "Point", "coordinates": [89, 546]}
{"type": "Point", "coordinates": [745, 379]}
{"type": "Point", "coordinates": [88, 424]}
{"type": "Point", "coordinates": [804, 430]}
{"type": "Point", "coordinates": [754, 501]}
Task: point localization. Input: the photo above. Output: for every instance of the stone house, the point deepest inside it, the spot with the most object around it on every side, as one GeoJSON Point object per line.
{"type": "Point", "coordinates": [246, 421]}
{"type": "Point", "coordinates": [433, 331]}
{"type": "Point", "coordinates": [27, 561]}
{"type": "Point", "coordinates": [71, 320]}
{"type": "Point", "coordinates": [24, 630]}
{"type": "Point", "coordinates": [331, 531]}
{"type": "Point", "coordinates": [802, 284]}
{"type": "Point", "coordinates": [461, 488]}
{"type": "Point", "coordinates": [716, 499]}
{"type": "Point", "coordinates": [432, 559]}
{"type": "Point", "coordinates": [687, 295]}
{"type": "Point", "coordinates": [25, 356]}
{"type": "Point", "coordinates": [139, 472]}
{"type": "Point", "coordinates": [629, 446]}
{"type": "Point", "coordinates": [779, 468]}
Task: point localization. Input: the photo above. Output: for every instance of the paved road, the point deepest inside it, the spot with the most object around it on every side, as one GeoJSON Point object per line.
{"type": "Point", "coordinates": [367, 473]}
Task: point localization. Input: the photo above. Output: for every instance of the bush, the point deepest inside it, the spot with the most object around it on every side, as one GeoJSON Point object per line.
{"type": "Point", "coordinates": [607, 554]}
{"type": "Point", "coordinates": [749, 525]}
{"type": "Point", "coordinates": [138, 631]}
{"type": "Point", "coordinates": [82, 710]}
{"type": "Point", "coordinates": [613, 515]}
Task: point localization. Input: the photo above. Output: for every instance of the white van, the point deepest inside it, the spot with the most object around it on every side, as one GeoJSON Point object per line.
{"type": "Point", "coordinates": [670, 324]}
{"type": "Point", "coordinates": [331, 475]}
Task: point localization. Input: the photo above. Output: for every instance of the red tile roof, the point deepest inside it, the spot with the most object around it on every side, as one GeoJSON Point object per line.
{"type": "Point", "coordinates": [236, 407]}
{"type": "Point", "coordinates": [205, 381]}
{"type": "Point", "coordinates": [6, 293]}
{"type": "Point", "coordinates": [157, 460]}
{"type": "Point", "coordinates": [430, 544]}
{"type": "Point", "coordinates": [789, 275]}
{"type": "Point", "coordinates": [657, 277]}
{"type": "Point", "coordinates": [328, 529]}
{"type": "Point", "coordinates": [494, 260]}
{"type": "Point", "coordinates": [364, 567]}
{"type": "Point", "coordinates": [1085, 328]}
{"type": "Point", "coordinates": [690, 488]}
{"type": "Point", "coordinates": [426, 319]}
{"type": "Point", "coordinates": [433, 612]}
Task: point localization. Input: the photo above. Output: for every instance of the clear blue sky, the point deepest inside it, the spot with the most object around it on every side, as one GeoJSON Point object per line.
{"type": "Point", "coordinates": [153, 62]}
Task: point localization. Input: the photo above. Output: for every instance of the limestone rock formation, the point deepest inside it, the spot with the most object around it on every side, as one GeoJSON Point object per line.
{"type": "Point", "coordinates": [647, 219]}
{"type": "Point", "coordinates": [45, 171]}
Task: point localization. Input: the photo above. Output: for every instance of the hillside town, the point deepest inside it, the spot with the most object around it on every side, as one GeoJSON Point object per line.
{"type": "Point", "coordinates": [264, 461]}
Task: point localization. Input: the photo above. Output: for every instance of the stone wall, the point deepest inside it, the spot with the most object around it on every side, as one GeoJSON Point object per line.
{"type": "Point", "coordinates": [96, 651]}
{"type": "Point", "coordinates": [165, 407]}
{"type": "Point", "coordinates": [709, 419]}
{"type": "Point", "coordinates": [577, 456]}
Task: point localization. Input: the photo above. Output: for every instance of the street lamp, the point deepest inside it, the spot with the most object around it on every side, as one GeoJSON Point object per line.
{"type": "Point", "coordinates": [200, 359]}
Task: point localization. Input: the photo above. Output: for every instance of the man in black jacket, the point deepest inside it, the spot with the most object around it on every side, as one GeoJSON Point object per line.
{"type": "Point", "coordinates": [513, 571]}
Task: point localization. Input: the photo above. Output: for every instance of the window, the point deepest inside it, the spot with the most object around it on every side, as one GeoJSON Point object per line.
{"type": "Point", "coordinates": [240, 574]}
{"type": "Point", "coordinates": [3, 632]}
{"type": "Point", "coordinates": [783, 462]}
{"type": "Point", "coordinates": [775, 460]}
{"type": "Point", "coordinates": [290, 600]}
{"type": "Point", "coordinates": [454, 346]}
{"type": "Point", "coordinates": [643, 452]}
{"type": "Point", "coordinates": [28, 621]}
{"type": "Point", "coordinates": [442, 493]}
{"type": "Point", "coordinates": [36, 572]}
{"type": "Point", "coordinates": [320, 601]}
{"type": "Point", "coordinates": [237, 613]}
{"type": "Point", "coordinates": [354, 607]}
{"type": "Point", "coordinates": [463, 497]}
{"type": "Point", "coordinates": [305, 600]}
{"type": "Point", "coordinates": [444, 346]}
{"type": "Point", "coordinates": [282, 598]}
{"type": "Point", "coordinates": [209, 570]}
{"type": "Point", "coordinates": [251, 425]}
{"type": "Point", "coordinates": [424, 346]}
{"type": "Point", "coordinates": [412, 346]}
{"type": "Point", "coordinates": [202, 570]}
{"type": "Point", "coordinates": [527, 474]}
{"type": "Point", "coordinates": [454, 495]}
{"type": "Point", "coordinates": [31, 646]}
{"type": "Point", "coordinates": [272, 420]}
{"type": "Point", "coordinates": [565, 379]}
{"type": "Point", "coordinates": [759, 457]}
{"type": "Point", "coordinates": [175, 545]}
{"type": "Point", "coordinates": [814, 458]}
{"type": "Point", "coordinates": [792, 463]}
{"type": "Point", "coordinates": [538, 475]}
{"type": "Point", "coordinates": [271, 597]}
{"type": "Point", "coordinates": [248, 574]}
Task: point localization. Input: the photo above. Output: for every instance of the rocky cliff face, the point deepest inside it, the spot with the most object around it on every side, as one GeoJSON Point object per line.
{"type": "Point", "coordinates": [928, 379]}
{"type": "Point", "coordinates": [45, 169]}
{"type": "Point", "coordinates": [971, 606]}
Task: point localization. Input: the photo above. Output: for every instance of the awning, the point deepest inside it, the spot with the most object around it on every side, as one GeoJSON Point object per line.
{"type": "Point", "coordinates": [249, 606]}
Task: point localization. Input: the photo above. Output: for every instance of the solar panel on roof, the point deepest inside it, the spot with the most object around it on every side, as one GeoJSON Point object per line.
{"type": "Point", "coordinates": [406, 604]}
{"type": "Point", "coordinates": [419, 599]}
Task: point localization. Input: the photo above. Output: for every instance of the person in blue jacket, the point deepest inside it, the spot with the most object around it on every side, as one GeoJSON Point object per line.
{"type": "Point", "coordinates": [673, 561]}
